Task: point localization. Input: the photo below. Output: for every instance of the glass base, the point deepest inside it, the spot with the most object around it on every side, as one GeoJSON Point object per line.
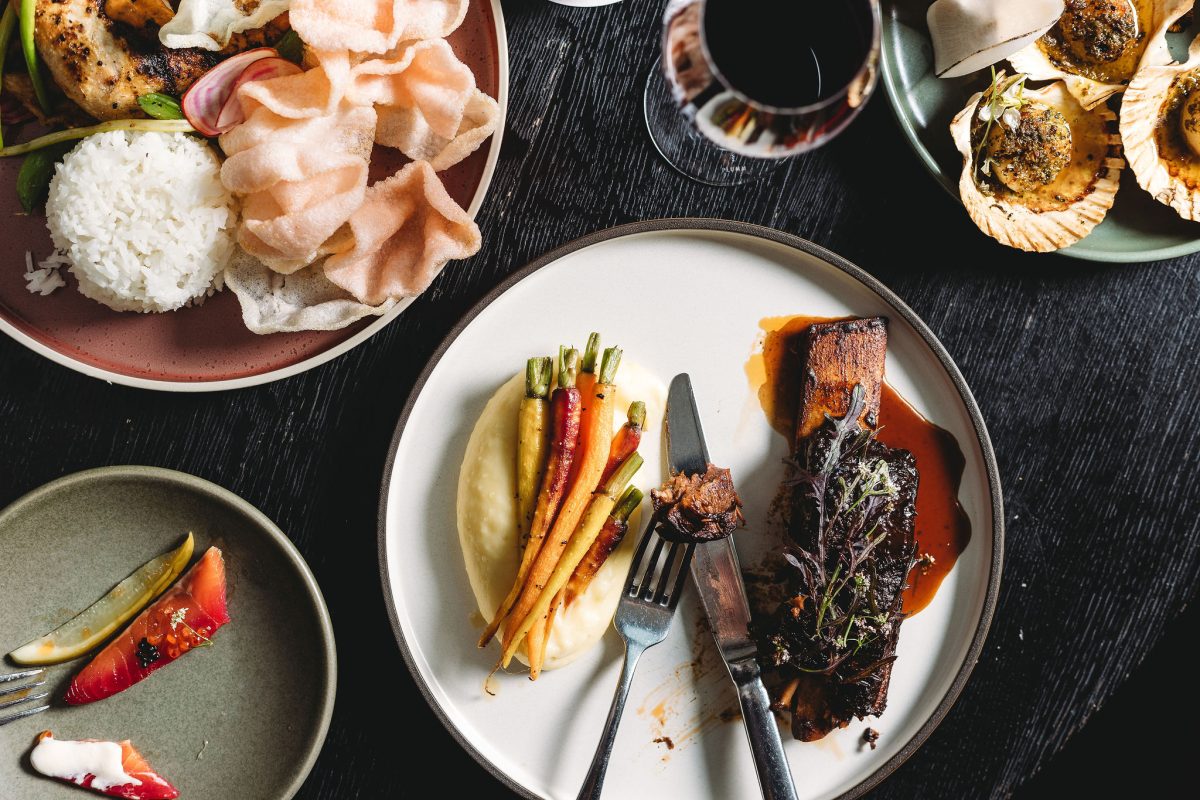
{"type": "Point", "coordinates": [686, 149]}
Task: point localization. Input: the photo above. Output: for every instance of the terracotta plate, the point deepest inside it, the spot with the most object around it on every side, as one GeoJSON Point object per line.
{"type": "Point", "coordinates": [207, 348]}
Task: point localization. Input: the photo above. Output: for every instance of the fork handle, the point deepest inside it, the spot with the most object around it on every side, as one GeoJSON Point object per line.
{"type": "Point", "coordinates": [594, 782]}
{"type": "Point", "coordinates": [770, 762]}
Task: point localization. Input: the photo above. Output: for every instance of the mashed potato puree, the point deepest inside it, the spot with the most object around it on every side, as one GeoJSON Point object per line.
{"type": "Point", "coordinates": [487, 512]}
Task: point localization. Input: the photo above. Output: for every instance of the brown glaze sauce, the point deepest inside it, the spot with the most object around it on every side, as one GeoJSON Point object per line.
{"type": "Point", "coordinates": [943, 529]}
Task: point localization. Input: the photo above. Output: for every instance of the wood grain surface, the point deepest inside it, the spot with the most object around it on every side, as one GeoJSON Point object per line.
{"type": "Point", "coordinates": [1084, 372]}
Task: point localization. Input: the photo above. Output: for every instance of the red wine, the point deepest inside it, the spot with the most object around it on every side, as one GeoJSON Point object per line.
{"type": "Point", "coordinates": [787, 53]}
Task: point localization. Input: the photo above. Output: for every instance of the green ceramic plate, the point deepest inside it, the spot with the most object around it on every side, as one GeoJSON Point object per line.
{"type": "Point", "coordinates": [1136, 229]}
{"type": "Point", "coordinates": [242, 719]}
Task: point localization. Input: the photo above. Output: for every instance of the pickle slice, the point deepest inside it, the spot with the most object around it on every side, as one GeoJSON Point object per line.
{"type": "Point", "coordinates": [94, 624]}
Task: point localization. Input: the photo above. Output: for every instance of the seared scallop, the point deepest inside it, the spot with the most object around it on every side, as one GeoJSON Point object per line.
{"type": "Point", "coordinates": [1097, 46]}
{"type": "Point", "coordinates": [1031, 153]}
{"type": "Point", "coordinates": [1160, 125]}
{"type": "Point", "coordinates": [1096, 32]}
{"type": "Point", "coordinates": [1039, 170]}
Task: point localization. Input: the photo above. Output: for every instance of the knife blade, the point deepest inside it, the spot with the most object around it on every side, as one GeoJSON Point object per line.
{"type": "Point", "coordinates": [715, 564]}
{"type": "Point", "coordinates": [718, 580]}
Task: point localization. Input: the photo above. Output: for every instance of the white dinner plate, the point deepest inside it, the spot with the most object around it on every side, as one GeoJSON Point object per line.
{"type": "Point", "coordinates": [678, 296]}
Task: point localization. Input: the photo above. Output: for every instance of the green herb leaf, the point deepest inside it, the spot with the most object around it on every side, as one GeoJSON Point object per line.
{"type": "Point", "coordinates": [991, 109]}
{"type": "Point", "coordinates": [160, 106]}
{"type": "Point", "coordinates": [291, 47]}
{"type": "Point", "coordinates": [33, 180]}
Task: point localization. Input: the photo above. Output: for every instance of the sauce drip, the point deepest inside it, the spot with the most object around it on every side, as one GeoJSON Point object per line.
{"type": "Point", "coordinates": [943, 529]}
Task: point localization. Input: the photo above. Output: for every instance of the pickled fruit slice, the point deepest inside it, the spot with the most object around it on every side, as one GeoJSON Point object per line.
{"type": "Point", "coordinates": [112, 768]}
{"type": "Point", "coordinates": [93, 625]}
{"type": "Point", "coordinates": [184, 618]}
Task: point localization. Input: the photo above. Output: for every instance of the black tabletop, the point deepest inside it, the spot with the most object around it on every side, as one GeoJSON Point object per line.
{"type": "Point", "coordinates": [1085, 374]}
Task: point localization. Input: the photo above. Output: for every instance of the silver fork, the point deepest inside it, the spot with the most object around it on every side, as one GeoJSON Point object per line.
{"type": "Point", "coordinates": [643, 619]}
{"type": "Point", "coordinates": [15, 690]}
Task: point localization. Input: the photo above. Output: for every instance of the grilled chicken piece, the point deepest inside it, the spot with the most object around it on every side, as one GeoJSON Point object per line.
{"type": "Point", "coordinates": [838, 355]}
{"type": "Point", "coordinates": [852, 519]}
{"type": "Point", "coordinates": [105, 66]}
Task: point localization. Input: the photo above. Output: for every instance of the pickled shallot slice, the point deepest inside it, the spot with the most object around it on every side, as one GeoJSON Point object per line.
{"type": "Point", "coordinates": [202, 103]}
{"type": "Point", "coordinates": [233, 113]}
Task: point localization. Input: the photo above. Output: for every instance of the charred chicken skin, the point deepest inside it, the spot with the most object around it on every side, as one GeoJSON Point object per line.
{"type": "Point", "coordinates": [103, 64]}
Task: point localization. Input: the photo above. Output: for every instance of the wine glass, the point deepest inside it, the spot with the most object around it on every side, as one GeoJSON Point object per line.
{"type": "Point", "coordinates": [743, 84]}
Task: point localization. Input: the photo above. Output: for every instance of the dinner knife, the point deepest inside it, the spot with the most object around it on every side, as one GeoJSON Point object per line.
{"type": "Point", "coordinates": [718, 579]}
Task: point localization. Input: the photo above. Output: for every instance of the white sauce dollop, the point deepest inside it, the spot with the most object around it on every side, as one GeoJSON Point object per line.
{"type": "Point", "coordinates": [487, 512]}
{"type": "Point", "coordinates": [74, 761]}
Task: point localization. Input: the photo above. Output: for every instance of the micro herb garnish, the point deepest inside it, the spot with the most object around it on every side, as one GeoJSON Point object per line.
{"type": "Point", "coordinates": [849, 492]}
{"type": "Point", "coordinates": [1004, 107]}
{"type": "Point", "coordinates": [177, 619]}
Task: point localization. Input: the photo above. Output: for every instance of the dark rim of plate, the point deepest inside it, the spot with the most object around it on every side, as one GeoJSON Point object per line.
{"type": "Point", "coordinates": [832, 259]}
{"type": "Point", "coordinates": [261, 521]}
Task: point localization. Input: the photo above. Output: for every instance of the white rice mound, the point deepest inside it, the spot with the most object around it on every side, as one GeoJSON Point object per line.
{"type": "Point", "coordinates": [142, 219]}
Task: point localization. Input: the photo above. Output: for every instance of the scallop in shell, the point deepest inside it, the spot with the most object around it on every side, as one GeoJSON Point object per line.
{"type": "Point", "coordinates": [1160, 126]}
{"type": "Point", "coordinates": [1039, 170]}
{"type": "Point", "coordinates": [1097, 46]}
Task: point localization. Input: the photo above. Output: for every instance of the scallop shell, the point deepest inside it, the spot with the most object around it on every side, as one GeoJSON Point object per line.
{"type": "Point", "coordinates": [1018, 225]}
{"type": "Point", "coordinates": [1034, 61]}
{"type": "Point", "coordinates": [1141, 114]}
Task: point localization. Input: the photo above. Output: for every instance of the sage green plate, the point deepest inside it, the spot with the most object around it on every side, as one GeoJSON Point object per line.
{"type": "Point", "coordinates": [1136, 229]}
{"type": "Point", "coordinates": [244, 718]}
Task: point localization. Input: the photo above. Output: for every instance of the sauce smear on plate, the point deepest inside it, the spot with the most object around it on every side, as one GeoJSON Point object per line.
{"type": "Point", "coordinates": [943, 529]}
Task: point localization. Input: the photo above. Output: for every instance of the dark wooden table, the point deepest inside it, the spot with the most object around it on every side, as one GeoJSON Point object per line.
{"type": "Point", "coordinates": [1086, 375]}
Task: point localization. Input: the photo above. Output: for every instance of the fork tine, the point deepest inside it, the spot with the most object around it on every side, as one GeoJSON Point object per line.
{"type": "Point", "coordinates": [17, 676]}
{"type": "Point", "coordinates": [29, 699]}
{"type": "Point", "coordinates": [24, 688]}
{"type": "Point", "coordinates": [648, 582]}
{"type": "Point", "coordinates": [29, 712]}
{"type": "Point", "coordinates": [631, 587]}
{"type": "Point", "coordinates": [664, 578]}
{"type": "Point", "coordinates": [677, 592]}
